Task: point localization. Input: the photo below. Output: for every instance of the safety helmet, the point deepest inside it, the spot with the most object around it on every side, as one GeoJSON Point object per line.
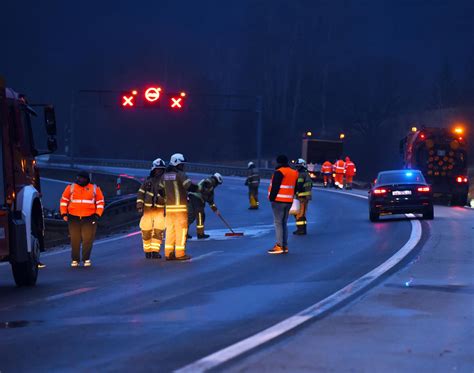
{"type": "Point", "coordinates": [301, 162]}
{"type": "Point", "coordinates": [250, 165]}
{"type": "Point", "coordinates": [177, 159]}
{"type": "Point", "coordinates": [158, 163]}
{"type": "Point", "coordinates": [218, 177]}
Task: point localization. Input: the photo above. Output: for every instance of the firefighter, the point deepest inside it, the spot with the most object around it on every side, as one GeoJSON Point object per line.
{"type": "Point", "coordinates": [304, 187]}
{"type": "Point", "coordinates": [197, 203]}
{"type": "Point", "coordinates": [82, 204]}
{"type": "Point", "coordinates": [253, 182]}
{"type": "Point", "coordinates": [280, 194]}
{"type": "Point", "coordinates": [151, 203]}
{"type": "Point", "coordinates": [350, 172]}
{"type": "Point", "coordinates": [326, 170]}
{"type": "Point", "coordinates": [176, 185]}
{"type": "Point", "coordinates": [339, 169]}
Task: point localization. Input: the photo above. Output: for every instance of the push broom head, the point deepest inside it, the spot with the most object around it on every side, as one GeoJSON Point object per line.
{"type": "Point", "coordinates": [234, 234]}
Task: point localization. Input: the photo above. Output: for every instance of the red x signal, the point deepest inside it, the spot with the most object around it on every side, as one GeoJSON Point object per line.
{"type": "Point", "coordinates": [128, 99]}
{"type": "Point", "coordinates": [178, 101]}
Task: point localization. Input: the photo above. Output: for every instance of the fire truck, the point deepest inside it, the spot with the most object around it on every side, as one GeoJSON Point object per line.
{"type": "Point", "coordinates": [441, 155]}
{"type": "Point", "coordinates": [21, 211]}
{"type": "Point", "coordinates": [316, 152]}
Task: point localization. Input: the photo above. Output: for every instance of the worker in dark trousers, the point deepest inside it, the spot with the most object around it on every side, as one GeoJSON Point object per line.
{"type": "Point", "coordinates": [82, 204]}
{"type": "Point", "coordinates": [197, 203]}
{"type": "Point", "coordinates": [151, 204]}
{"type": "Point", "coordinates": [304, 187]}
{"type": "Point", "coordinates": [253, 182]}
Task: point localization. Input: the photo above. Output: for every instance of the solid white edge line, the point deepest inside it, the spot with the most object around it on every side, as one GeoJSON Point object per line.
{"type": "Point", "coordinates": [224, 355]}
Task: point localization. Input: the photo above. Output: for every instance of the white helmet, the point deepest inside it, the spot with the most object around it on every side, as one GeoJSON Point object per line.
{"type": "Point", "coordinates": [177, 159]}
{"type": "Point", "coordinates": [218, 177]}
{"type": "Point", "coordinates": [158, 163]}
{"type": "Point", "coordinates": [301, 162]}
{"type": "Point", "coordinates": [250, 165]}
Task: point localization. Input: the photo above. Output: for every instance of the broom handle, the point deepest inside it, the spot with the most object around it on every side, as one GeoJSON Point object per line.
{"type": "Point", "coordinates": [222, 218]}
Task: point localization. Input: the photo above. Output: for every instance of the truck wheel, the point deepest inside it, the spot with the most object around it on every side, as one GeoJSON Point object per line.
{"type": "Point", "coordinates": [26, 273]}
{"type": "Point", "coordinates": [373, 216]}
{"type": "Point", "coordinates": [429, 214]}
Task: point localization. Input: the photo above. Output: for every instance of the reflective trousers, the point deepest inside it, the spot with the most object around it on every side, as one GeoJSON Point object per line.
{"type": "Point", "coordinates": [196, 212]}
{"type": "Point", "coordinates": [349, 179]}
{"type": "Point", "coordinates": [339, 180]}
{"type": "Point", "coordinates": [300, 217]}
{"type": "Point", "coordinates": [81, 230]}
{"type": "Point", "coordinates": [152, 225]}
{"type": "Point", "coordinates": [176, 232]}
{"type": "Point", "coordinates": [327, 178]}
{"type": "Point", "coordinates": [253, 196]}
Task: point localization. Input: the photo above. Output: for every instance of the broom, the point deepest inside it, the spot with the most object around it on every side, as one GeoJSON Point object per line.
{"type": "Point", "coordinates": [231, 233]}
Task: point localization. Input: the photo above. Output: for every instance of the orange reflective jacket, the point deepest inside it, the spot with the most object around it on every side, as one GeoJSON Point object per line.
{"type": "Point", "coordinates": [350, 168]}
{"type": "Point", "coordinates": [326, 168]}
{"type": "Point", "coordinates": [287, 186]}
{"type": "Point", "coordinates": [339, 167]}
{"type": "Point", "coordinates": [82, 201]}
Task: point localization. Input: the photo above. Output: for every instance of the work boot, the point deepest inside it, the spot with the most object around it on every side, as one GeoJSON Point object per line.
{"type": "Point", "coordinates": [183, 258]}
{"type": "Point", "coordinates": [276, 250]}
{"type": "Point", "coordinates": [202, 236]}
{"type": "Point", "coordinates": [41, 265]}
{"type": "Point", "coordinates": [170, 257]}
{"type": "Point", "coordinates": [300, 231]}
{"type": "Point", "coordinates": [87, 263]}
{"type": "Point", "coordinates": [148, 255]}
{"type": "Point", "coordinates": [74, 263]}
{"type": "Point", "coordinates": [155, 255]}
{"type": "Point", "coordinates": [253, 208]}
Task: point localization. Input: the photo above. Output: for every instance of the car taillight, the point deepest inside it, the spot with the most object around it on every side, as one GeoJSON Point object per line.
{"type": "Point", "coordinates": [462, 179]}
{"type": "Point", "coordinates": [424, 189]}
{"type": "Point", "coordinates": [380, 191]}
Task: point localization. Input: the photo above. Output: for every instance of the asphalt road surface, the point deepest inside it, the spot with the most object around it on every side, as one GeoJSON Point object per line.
{"type": "Point", "coordinates": [130, 314]}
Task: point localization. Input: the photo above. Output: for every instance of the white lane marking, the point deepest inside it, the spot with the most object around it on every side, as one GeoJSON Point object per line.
{"type": "Point", "coordinates": [68, 294]}
{"type": "Point", "coordinates": [200, 257]}
{"type": "Point", "coordinates": [317, 309]}
{"type": "Point", "coordinates": [54, 180]}
{"type": "Point", "coordinates": [50, 298]}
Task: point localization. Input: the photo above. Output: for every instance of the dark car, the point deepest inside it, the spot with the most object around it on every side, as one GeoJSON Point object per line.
{"type": "Point", "coordinates": [400, 192]}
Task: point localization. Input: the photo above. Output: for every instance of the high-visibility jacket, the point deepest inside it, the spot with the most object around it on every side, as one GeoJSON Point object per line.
{"type": "Point", "coordinates": [151, 193]}
{"type": "Point", "coordinates": [339, 167]}
{"type": "Point", "coordinates": [326, 168]}
{"type": "Point", "coordinates": [253, 178]}
{"type": "Point", "coordinates": [176, 185]}
{"type": "Point", "coordinates": [205, 191]}
{"type": "Point", "coordinates": [82, 201]}
{"type": "Point", "coordinates": [286, 178]}
{"type": "Point", "coordinates": [304, 185]}
{"type": "Point", "coordinates": [350, 168]}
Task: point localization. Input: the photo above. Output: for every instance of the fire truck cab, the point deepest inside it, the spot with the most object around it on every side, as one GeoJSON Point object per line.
{"type": "Point", "coordinates": [21, 210]}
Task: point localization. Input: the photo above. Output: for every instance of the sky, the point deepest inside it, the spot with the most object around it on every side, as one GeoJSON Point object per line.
{"type": "Point", "coordinates": [51, 49]}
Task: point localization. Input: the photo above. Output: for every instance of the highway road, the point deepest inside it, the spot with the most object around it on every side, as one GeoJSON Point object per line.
{"type": "Point", "coordinates": [128, 313]}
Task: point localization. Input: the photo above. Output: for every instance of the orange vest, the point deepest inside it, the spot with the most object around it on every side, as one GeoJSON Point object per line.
{"type": "Point", "coordinates": [339, 167]}
{"type": "Point", "coordinates": [350, 168]}
{"type": "Point", "coordinates": [82, 201]}
{"type": "Point", "coordinates": [288, 184]}
{"type": "Point", "coordinates": [326, 168]}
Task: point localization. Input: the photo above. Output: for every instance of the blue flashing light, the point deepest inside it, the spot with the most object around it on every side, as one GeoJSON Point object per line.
{"type": "Point", "coordinates": [409, 174]}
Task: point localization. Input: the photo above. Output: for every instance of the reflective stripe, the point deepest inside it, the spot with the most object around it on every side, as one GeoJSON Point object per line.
{"type": "Point", "coordinates": [63, 204]}
{"type": "Point", "coordinates": [140, 200]}
{"type": "Point", "coordinates": [172, 207]}
{"type": "Point", "coordinates": [175, 210]}
{"type": "Point", "coordinates": [287, 187]}
{"type": "Point", "coordinates": [180, 247]}
{"type": "Point", "coordinates": [199, 226]}
{"type": "Point", "coordinates": [148, 204]}
{"type": "Point", "coordinates": [176, 192]}
{"type": "Point", "coordinates": [187, 181]}
{"type": "Point", "coordinates": [300, 223]}
{"type": "Point", "coordinates": [87, 201]}
{"type": "Point", "coordinates": [304, 194]}
{"type": "Point", "coordinates": [66, 199]}
{"type": "Point", "coordinates": [99, 201]}
{"type": "Point", "coordinates": [150, 194]}
{"type": "Point", "coordinates": [285, 196]}
{"type": "Point", "coordinates": [100, 207]}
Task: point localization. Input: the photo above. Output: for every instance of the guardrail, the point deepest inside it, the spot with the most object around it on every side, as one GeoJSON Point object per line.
{"type": "Point", "coordinates": [204, 168]}
{"type": "Point", "coordinates": [119, 213]}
